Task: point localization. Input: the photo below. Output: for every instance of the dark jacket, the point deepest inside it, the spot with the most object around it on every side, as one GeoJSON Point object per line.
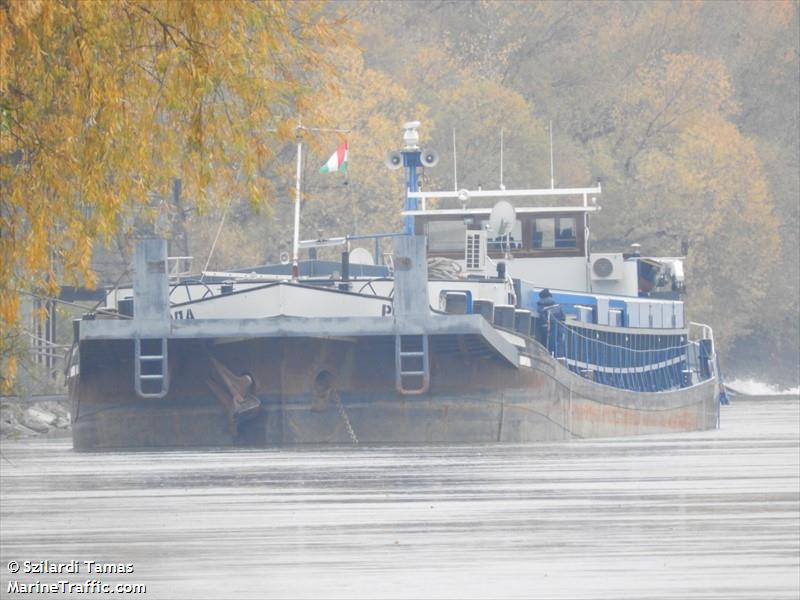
{"type": "Point", "coordinates": [549, 308]}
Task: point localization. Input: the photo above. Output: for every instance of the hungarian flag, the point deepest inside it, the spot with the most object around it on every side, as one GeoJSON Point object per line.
{"type": "Point", "coordinates": [337, 161]}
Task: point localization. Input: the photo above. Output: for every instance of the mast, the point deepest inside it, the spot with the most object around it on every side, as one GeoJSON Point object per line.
{"type": "Point", "coordinates": [502, 186]}
{"type": "Point", "coordinates": [411, 160]}
{"type": "Point", "coordinates": [552, 176]}
{"type": "Point", "coordinates": [296, 239]}
{"type": "Point", "coordinates": [455, 163]}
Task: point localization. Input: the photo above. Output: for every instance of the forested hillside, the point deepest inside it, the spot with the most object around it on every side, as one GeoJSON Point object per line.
{"type": "Point", "coordinates": [686, 112]}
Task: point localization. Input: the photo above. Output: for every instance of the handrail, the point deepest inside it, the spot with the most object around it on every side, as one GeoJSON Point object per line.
{"type": "Point", "coordinates": [610, 345]}
{"type": "Point", "coordinates": [174, 264]}
{"type": "Point", "coordinates": [341, 240]}
{"type": "Point", "coordinates": [708, 334]}
{"type": "Point", "coordinates": [649, 369]}
{"type": "Point", "coordinates": [705, 331]}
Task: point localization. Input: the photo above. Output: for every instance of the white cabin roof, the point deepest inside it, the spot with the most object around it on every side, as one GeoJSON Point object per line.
{"type": "Point", "coordinates": [508, 193]}
{"type": "Point", "coordinates": [488, 210]}
{"type": "Point", "coordinates": [464, 195]}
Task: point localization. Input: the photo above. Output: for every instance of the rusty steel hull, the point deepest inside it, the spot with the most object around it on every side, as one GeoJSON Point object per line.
{"type": "Point", "coordinates": [315, 391]}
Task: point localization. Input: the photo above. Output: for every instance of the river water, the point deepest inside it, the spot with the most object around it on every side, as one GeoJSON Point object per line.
{"type": "Point", "coordinates": [702, 515]}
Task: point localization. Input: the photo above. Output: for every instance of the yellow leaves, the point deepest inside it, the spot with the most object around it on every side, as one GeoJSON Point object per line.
{"type": "Point", "coordinates": [8, 369]}
{"type": "Point", "coordinates": [772, 16]}
{"type": "Point", "coordinates": [708, 184]}
{"type": "Point", "coordinates": [9, 305]}
{"type": "Point", "coordinates": [677, 90]}
{"type": "Point", "coordinates": [711, 161]}
{"type": "Point", "coordinates": [15, 18]}
{"type": "Point", "coordinates": [106, 102]}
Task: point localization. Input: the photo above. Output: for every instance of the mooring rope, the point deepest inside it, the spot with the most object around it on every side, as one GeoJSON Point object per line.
{"type": "Point", "coordinates": [443, 268]}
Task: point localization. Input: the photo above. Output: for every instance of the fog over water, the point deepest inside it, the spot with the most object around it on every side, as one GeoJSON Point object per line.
{"type": "Point", "coordinates": [701, 515]}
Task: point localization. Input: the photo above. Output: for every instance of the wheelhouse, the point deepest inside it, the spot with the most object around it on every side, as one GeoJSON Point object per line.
{"type": "Point", "coordinates": [538, 232]}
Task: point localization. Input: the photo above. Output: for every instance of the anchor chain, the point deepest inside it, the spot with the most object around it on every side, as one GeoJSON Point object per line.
{"type": "Point", "coordinates": [343, 414]}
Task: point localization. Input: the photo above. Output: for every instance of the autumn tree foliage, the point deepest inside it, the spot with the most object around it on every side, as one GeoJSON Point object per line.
{"type": "Point", "coordinates": [683, 171]}
{"type": "Point", "coordinates": [685, 111]}
{"type": "Point", "coordinates": [103, 103]}
{"type": "Point", "coordinates": [372, 104]}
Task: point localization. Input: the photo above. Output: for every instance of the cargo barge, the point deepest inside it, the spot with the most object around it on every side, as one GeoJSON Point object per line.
{"type": "Point", "coordinates": [488, 322]}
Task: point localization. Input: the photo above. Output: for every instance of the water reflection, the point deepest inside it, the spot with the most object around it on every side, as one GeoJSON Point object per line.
{"type": "Point", "coordinates": [710, 514]}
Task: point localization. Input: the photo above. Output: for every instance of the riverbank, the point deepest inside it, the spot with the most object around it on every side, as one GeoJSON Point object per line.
{"type": "Point", "coordinates": [37, 416]}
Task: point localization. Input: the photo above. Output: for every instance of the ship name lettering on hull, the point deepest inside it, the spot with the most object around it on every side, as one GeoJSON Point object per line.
{"type": "Point", "coordinates": [178, 314]}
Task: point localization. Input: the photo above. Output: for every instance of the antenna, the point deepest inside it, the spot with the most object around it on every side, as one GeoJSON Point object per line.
{"type": "Point", "coordinates": [455, 164]}
{"type": "Point", "coordinates": [502, 187]}
{"type": "Point", "coordinates": [501, 219]}
{"type": "Point", "coordinates": [552, 178]}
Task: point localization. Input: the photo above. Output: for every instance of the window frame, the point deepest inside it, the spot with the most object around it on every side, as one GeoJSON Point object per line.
{"type": "Point", "coordinates": [527, 250]}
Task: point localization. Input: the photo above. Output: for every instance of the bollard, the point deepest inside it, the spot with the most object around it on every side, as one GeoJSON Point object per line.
{"type": "Point", "coordinates": [455, 303]}
{"type": "Point", "coordinates": [504, 316]}
{"type": "Point", "coordinates": [485, 308]}
{"type": "Point", "coordinates": [522, 321]}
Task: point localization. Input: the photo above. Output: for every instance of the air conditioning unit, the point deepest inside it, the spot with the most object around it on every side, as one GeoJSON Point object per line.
{"type": "Point", "coordinates": [606, 267]}
{"type": "Point", "coordinates": [475, 251]}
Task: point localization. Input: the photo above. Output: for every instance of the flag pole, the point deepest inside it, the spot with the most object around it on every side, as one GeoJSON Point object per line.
{"type": "Point", "coordinates": [552, 177]}
{"type": "Point", "coordinates": [296, 241]}
{"type": "Point", "coordinates": [297, 197]}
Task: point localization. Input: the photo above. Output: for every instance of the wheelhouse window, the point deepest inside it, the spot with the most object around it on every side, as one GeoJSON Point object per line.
{"type": "Point", "coordinates": [554, 232]}
{"type": "Point", "coordinates": [533, 235]}
{"type": "Point", "coordinates": [446, 236]}
{"type": "Point", "coordinates": [514, 241]}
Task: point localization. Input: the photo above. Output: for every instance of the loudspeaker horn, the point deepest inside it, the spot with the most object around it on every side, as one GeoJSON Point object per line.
{"type": "Point", "coordinates": [429, 158]}
{"type": "Point", "coordinates": [393, 160]}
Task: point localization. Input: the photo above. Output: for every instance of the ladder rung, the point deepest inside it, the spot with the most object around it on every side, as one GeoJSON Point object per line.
{"type": "Point", "coordinates": [412, 347]}
{"type": "Point", "coordinates": [148, 354]}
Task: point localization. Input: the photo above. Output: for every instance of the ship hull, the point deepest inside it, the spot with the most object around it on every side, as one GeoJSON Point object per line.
{"type": "Point", "coordinates": [343, 391]}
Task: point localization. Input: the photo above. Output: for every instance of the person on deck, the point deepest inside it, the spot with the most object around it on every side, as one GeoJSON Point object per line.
{"type": "Point", "coordinates": [548, 310]}
{"type": "Point", "coordinates": [547, 306]}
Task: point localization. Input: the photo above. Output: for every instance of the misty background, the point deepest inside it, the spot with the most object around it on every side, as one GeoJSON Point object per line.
{"type": "Point", "coordinates": [687, 113]}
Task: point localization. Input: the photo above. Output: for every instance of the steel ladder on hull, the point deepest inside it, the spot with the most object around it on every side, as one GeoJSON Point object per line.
{"type": "Point", "coordinates": [412, 364]}
{"type": "Point", "coordinates": [151, 378]}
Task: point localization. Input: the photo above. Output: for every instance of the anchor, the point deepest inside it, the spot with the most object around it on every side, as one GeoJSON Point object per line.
{"type": "Point", "coordinates": [234, 393]}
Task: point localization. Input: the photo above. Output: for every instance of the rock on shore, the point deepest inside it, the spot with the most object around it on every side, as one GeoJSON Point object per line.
{"type": "Point", "coordinates": [24, 418]}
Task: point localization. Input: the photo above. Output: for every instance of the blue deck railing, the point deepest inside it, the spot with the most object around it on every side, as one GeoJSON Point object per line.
{"type": "Point", "coordinates": [645, 362]}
